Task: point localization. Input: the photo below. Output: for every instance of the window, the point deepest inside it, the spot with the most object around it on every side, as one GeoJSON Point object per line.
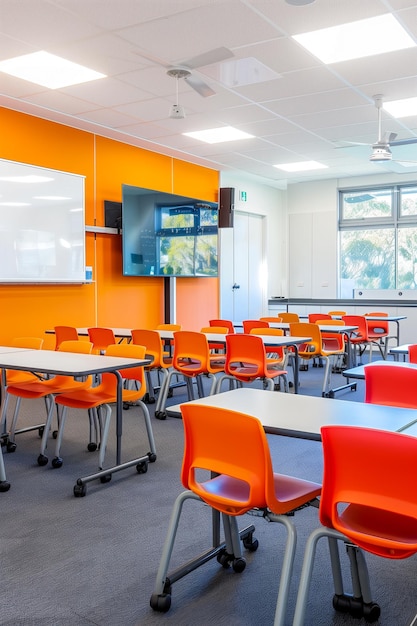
{"type": "Point", "coordinates": [378, 238]}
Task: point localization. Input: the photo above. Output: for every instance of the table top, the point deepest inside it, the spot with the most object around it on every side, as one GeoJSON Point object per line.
{"type": "Point", "coordinates": [403, 349]}
{"type": "Point", "coordinates": [65, 363]}
{"type": "Point", "coordinates": [295, 415]}
{"type": "Point", "coordinates": [386, 318]}
{"type": "Point", "coordinates": [326, 328]}
{"type": "Point", "coordinates": [359, 371]}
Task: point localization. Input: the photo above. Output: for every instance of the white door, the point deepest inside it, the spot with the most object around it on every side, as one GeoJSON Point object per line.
{"type": "Point", "coordinates": [243, 268]}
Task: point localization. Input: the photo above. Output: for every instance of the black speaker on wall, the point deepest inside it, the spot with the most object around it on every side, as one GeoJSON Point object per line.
{"type": "Point", "coordinates": [113, 214]}
{"type": "Point", "coordinates": [226, 207]}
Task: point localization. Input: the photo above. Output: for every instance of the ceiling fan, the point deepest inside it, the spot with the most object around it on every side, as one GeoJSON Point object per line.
{"type": "Point", "coordinates": [381, 149]}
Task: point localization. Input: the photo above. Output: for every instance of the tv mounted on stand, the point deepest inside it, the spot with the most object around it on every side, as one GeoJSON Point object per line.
{"type": "Point", "coordinates": [168, 235]}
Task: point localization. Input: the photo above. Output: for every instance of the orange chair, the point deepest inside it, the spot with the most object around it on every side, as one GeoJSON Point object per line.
{"type": "Point", "coordinates": [101, 397]}
{"type": "Point", "coordinates": [215, 348]}
{"type": "Point", "coordinates": [169, 343]}
{"type": "Point", "coordinates": [412, 353]}
{"type": "Point", "coordinates": [43, 389]}
{"type": "Point", "coordinates": [289, 317]}
{"type": "Point", "coordinates": [249, 324]}
{"type": "Point", "coordinates": [313, 317]}
{"type": "Point", "coordinates": [337, 313]}
{"type": "Point", "coordinates": [360, 339]}
{"type": "Point", "coordinates": [378, 330]}
{"type": "Point", "coordinates": [333, 341]}
{"type": "Point", "coordinates": [20, 376]}
{"type": "Point", "coordinates": [192, 359]}
{"type": "Point", "coordinates": [314, 348]}
{"type": "Point", "coordinates": [65, 333]}
{"type": "Point", "coordinates": [161, 362]}
{"type": "Point", "coordinates": [391, 385]}
{"type": "Point", "coordinates": [227, 465]}
{"type": "Point", "coordinates": [369, 504]}
{"type": "Point", "coordinates": [101, 338]}
{"type": "Point", "coordinates": [276, 319]}
{"type": "Point", "coordinates": [246, 362]}
{"type": "Point", "coordinates": [227, 323]}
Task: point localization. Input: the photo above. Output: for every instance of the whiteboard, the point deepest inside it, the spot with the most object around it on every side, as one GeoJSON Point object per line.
{"type": "Point", "coordinates": [42, 225]}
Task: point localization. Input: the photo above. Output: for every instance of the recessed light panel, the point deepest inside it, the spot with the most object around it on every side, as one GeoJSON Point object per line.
{"type": "Point", "coordinates": [218, 135]}
{"type": "Point", "coordinates": [401, 108]}
{"type": "Point", "coordinates": [355, 40]}
{"type": "Point", "coordinates": [301, 166]}
{"type": "Point", "coordinates": [48, 70]}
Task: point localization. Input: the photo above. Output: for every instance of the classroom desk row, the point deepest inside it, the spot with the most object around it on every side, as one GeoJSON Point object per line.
{"type": "Point", "coordinates": [77, 365]}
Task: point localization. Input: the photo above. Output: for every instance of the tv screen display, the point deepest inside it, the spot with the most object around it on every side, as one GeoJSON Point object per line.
{"type": "Point", "coordinates": [168, 235]}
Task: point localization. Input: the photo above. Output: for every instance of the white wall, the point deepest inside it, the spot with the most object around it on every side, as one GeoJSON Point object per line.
{"type": "Point", "coordinates": [270, 202]}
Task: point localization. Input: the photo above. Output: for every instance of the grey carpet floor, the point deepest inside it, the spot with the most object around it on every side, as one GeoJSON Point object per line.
{"type": "Point", "coordinates": [68, 561]}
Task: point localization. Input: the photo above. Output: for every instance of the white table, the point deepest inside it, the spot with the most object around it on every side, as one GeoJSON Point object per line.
{"type": "Point", "coordinates": [359, 371]}
{"type": "Point", "coordinates": [79, 365]}
{"type": "Point", "coordinates": [303, 416]}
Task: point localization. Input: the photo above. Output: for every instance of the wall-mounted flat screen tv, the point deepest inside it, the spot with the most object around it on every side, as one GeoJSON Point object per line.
{"type": "Point", "coordinates": [168, 235]}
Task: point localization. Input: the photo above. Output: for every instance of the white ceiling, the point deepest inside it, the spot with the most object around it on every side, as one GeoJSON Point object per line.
{"type": "Point", "coordinates": [305, 113]}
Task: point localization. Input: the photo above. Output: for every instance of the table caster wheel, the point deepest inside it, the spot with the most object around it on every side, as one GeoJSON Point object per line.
{"type": "Point", "coordinates": [57, 462]}
{"type": "Point", "coordinates": [42, 459]}
{"type": "Point", "coordinates": [161, 602]}
{"type": "Point", "coordinates": [160, 415]}
{"type": "Point", "coordinates": [105, 479]}
{"type": "Point", "coordinates": [142, 467]}
{"type": "Point", "coordinates": [239, 565]}
{"type": "Point", "coordinates": [4, 486]}
{"type": "Point", "coordinates": [80, 491]}
{"type": "Point", "coordinates": [151, 457]}
{"type": "Point", "coordinates": [92, 446]}
{"type": "Point", "coordinates": [11, 446]}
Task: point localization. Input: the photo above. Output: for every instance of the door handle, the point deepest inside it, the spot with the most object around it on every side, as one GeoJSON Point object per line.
{"type": "Point", "coordinates": [235, 286]}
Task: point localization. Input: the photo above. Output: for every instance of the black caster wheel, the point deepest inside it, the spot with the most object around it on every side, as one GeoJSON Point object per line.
{"type": "Point", "coordinates": [11, 446]}
{"type": "Point", "coordinates": [224, 559]}
{"type": "Point", "coordinates": [80, 491]}
{"type": "Point", "coordinates": [251, 544]}
{"type": "Point", "coordinates": [151, 457]}
{"type": "Point", "coordinates": [40, 431]}
{"type": "Point", "coordinates": [42, 459]}
{"type": "Point", "coordinates": [239, 565]}
{"type": "Point", "coordinates": [92, 446]}
{"type": "Point", "coordinates": [126, 406]}
{"type": "Point", "coordinates": [149, 399]}
{"type": "Point", "coordinates": [57, 462]}
{"type": "Point", "coordinates": [4, 486]}
{"type": "Point", "coordinates": [160, 415]}
{"type": "Point", "coordinates": [54, 434]}
{"type": "Point", "coordinates": [170, 393]}
{"type": "Point", "coordinates": [142, 467]}
{"type": "Point", "coordinates": [105, 479]}
{"type": "Point", "coordinates": [371, 612]}
{"type": "Point", "coordinates": [161, 602]}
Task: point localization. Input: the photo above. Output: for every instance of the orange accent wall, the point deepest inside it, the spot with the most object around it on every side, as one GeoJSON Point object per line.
{"type": "Point", "coordinates": [113, 299]}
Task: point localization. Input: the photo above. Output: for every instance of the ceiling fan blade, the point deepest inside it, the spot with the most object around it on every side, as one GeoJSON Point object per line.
{"type": "Point", "coordinates": [404, 142]}
{"type": "Point", "coordinates": [200, 86]}
{"type": "Point", "coordinates": [208, 58]}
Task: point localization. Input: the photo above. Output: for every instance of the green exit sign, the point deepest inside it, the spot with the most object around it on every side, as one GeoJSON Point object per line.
{"type": "Point", "coordinates": [242, 196]}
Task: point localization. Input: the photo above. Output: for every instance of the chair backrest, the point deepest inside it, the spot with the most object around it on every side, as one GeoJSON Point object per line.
{"type": "Point", "coordinates": [101, 338]}
{"type": "Point", "coordinates": [82, 347]}
{"type": "Point", "coordinates": [249, 324]}
{"type": "Point", "coordinates": [332, 341]}
{"type": "Point", "coordinates": [392, 385]}
{"type": "Point", "coordinates": [412, 353]}
{"type": "Point", "coordinates": [33, 343]}
{"type": "Point", "coordinates": [379, 488]}
{"type": "Point", "coordinates": [130, 351]}
{"type": "Point", "coordinates": [378, 327]}
{"type": "Point", "coordinates": [277, 332]}
{"type": "Point", "coordinates": [191, 352]}
{"type": "Point", "coordinates": [337, 313]}
{"type": "Point", "coordinates": [172, 327]}
{"type": "Point", "coordinates": [361, 334]}
{"type": "Point", "coordinates": [153, 344]}
{"type": "Point", "coordinates": [275, 319]}
{"type": "Point", "coordinates": [218, 330]}
{"type": "Point", "coordinates": [232, 445]}
{"type": "Point", "coordinates": [65, 333]}
{"type": "Point", "coordinates": [314, 317]}
{"type": "Point", "coordinates": [307, 329]}
{"type": "Point", "coordinates": [289, 317]}
{"type": "Point", "coordinates": [243, 350]}
{"type": "Point", "coordinates": [226, 323]}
